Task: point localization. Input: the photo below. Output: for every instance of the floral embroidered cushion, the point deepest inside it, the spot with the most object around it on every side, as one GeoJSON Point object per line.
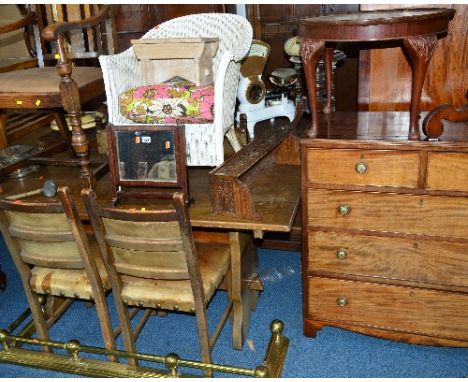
{"type": "Point", "coordinates": [168, 103]}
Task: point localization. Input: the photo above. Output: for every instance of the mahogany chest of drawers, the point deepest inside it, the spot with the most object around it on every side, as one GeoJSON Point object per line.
{"type": "Point", "coordinates": [385, 230]}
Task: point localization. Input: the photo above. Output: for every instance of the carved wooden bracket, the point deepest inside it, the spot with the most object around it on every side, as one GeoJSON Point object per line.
{"type": "Point", "coordinates": [433, 127]}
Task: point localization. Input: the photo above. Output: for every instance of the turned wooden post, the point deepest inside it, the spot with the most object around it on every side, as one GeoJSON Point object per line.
{"type": "Point", "coordinates": [71, 103]}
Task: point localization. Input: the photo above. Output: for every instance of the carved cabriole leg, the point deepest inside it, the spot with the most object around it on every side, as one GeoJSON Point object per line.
{"type": "Point", "coordinates": [3, 136]}
{"type": "Point", "coordinates": [327, 64]}
{"type": "Point", "coordinates": [310, 53]}
{"type": "Point", "coordinates": [71, 103]}
{"type": "Point", "coordinates": [420, 50]}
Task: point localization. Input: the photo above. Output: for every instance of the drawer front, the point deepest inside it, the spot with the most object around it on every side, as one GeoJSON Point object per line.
{"type": "Point", "coordinates": [418, 260]}
{"type": "Point", "coordinates": [363, 167]}
{"type": "Point", "coordinates": [421, 311]}
{"type": "Point", "coordinates": [418, 214]}
{"type": "Point", "coordinates": [447, 171]}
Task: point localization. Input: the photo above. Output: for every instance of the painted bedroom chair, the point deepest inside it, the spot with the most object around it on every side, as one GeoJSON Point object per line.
{"type": "Point", "coordinates": [204, 140]}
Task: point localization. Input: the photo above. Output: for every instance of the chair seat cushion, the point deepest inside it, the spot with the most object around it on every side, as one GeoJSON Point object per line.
{"type": "Point", "coordinates": [73, 283]}
{"type": "Point", "coordinates": [168, 103]}
{"type": "Point", "coordinates": [214, 261]}
{"type": "Point", "coordinates": [45, 80]}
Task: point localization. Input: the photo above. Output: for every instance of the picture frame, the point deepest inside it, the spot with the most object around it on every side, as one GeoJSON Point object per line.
{"type": "Point", "coordinates": [147, 161]}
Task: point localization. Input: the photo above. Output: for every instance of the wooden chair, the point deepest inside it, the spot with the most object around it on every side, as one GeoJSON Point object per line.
{"type": "Point", "coordinates": [67, 86]}
{"type": "Point", "coordinates": [54, 258]}
{"type": "Point", "coordinates": [154, 262]}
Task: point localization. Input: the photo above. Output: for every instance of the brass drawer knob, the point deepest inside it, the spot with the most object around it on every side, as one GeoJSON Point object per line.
{"type": "Point", "coordinates": [361, 167]}
{"type": "Point", "coordinates": [341, 301]}
{"type": "Point", "coordinates": [344, 209]}
{"type": "Point", "coordinates": [342, 253]}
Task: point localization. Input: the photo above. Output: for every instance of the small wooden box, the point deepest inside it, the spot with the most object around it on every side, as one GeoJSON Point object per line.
{"type": "Point", "coordinates": [188, 58]}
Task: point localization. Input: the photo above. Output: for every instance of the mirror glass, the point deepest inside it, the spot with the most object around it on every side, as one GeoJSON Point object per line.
{"type": "Point", "coordinates": [146, 156]}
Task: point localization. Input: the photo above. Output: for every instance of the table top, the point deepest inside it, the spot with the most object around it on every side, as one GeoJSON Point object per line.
{"type": "Point", "coordinates": [389, 128]}
{"type": "Point", "coordinates": [377, 25]}
{"type": "Point", "coordinates": [276, 196]}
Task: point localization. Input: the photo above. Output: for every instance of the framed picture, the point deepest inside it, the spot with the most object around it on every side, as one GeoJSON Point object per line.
{"type": "Point", "coordinates": [147, 161]}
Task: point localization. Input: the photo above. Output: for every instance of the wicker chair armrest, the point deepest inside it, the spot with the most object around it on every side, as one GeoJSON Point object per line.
{"type": "Point", "coordinates": [120, 72]}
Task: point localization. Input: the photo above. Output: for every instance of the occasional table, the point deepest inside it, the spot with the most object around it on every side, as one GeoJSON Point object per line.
{"type": "Point", "coordinates": [418, 28]}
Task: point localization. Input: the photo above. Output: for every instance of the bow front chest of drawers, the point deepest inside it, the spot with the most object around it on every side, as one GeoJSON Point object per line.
{"type": "Point", "coordinates": [385, 230]}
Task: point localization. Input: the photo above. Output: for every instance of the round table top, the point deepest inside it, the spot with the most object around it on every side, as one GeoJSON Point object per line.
{"type": "Point", "coordinates": [377, 25]}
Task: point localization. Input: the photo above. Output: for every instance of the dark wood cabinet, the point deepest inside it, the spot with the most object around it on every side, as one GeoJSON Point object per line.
{"type": "Point", "coordinates": [134, 20]}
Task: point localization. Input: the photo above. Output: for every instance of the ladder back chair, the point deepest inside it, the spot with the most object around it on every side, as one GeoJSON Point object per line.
{"type": "Point", "coordinates": [76, 34]}
{"type": "Point", "coordinates": [154, 262]}
{"type": "Point", "coordinates": [54, 258]}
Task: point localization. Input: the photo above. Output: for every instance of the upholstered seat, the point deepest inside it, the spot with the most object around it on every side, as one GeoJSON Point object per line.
{"type": "Point", "coordinates": [45, 80]}
{"type": "Point", "coordinates": [214, 261]}
{"type": "Point", "coordinates": [168, 103]}
{"type": "Point", "coordinates": [73, 283]}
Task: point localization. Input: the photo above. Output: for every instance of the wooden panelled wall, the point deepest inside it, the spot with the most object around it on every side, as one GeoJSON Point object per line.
{"type": "Point", "coordinates": [275, 23]}
{"type": "Point", "coordinates": [384, 81]}
{"type": "Point", "coordinates": [385, 75]}
{"type": "Point", "coordinates": [381, 80]}
{"type": "Point", "coordinates": [132, 20]}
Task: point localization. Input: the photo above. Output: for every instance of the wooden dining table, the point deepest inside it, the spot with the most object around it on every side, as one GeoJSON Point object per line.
{"type": "Point", "coordinates": [276, 194]}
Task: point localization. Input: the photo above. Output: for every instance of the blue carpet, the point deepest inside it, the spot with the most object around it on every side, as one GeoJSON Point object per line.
{"type": "Point", "coordinates": [333, 353]}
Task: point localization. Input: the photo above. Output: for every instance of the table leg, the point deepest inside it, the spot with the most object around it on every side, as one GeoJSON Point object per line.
{"type": "Point", "coordinates": [327, 65]}
{"type": "Point", "coordinates": [245, 287]}
{"type": "Point", "coordinates": [420, 50]}
{"type": "Point", "coordinates": [310, 53]}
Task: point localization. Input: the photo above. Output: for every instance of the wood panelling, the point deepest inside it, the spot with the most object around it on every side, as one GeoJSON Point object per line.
{"type": "Point", "coordinates": [385, 75]}
{"type": "Point", "coordinates": [134, 20]}
{"type": "Point", "coordinates": [275, 23]}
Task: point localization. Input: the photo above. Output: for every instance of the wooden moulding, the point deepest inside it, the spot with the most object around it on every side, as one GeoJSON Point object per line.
{"type": "Point", "coordinates": [230, 183]}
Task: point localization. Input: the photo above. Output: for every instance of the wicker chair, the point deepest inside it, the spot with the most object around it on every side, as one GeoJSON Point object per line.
{"type": "Point", "coordinates": [204, 142]}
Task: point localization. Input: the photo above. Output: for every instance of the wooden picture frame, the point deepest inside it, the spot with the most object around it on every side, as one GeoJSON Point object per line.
{"type": "Point", "coordinates": [147, 161]}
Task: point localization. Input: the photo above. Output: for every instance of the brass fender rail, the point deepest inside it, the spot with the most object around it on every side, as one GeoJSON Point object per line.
{"type": "Point", "coordinates": [272, 365]}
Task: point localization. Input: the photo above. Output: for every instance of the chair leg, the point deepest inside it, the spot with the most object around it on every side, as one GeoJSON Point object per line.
{"type": "Point", "coordinates": [37, 313]}
{"type": "Point", "coordinates": [102, 310]}
{"type": "Point", "coordinates": [3, 127]}
{"type": "Point", "coordinates": [125, 325]}
{"type": "Point", "coordinates": [62, 125]}
{"type": "Point", "coordinates": [205, 349]}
